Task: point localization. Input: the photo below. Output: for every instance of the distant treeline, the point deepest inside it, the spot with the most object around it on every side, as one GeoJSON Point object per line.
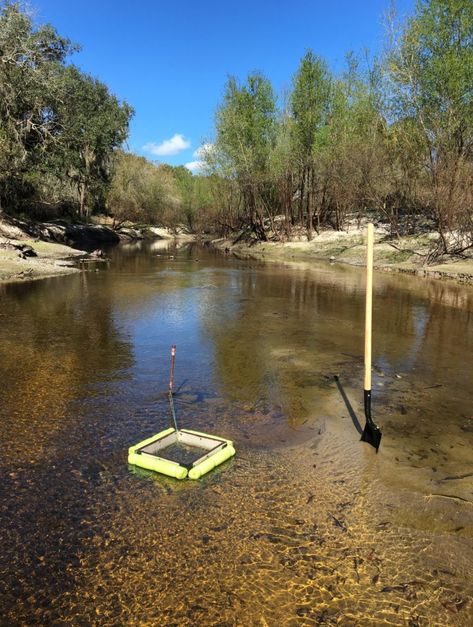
{"type": "Point", "coordinates": [391, 138]}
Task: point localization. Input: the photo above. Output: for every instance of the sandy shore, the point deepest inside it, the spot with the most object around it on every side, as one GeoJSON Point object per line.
{"type": "Point", "coordinates": [52, 260]}
{"type": "Point", "coordinates": [405, 255]}
{"type": "Point", "coordinates": [34, 250]}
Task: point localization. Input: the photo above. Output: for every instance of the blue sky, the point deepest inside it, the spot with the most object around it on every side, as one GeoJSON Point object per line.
{"type": "Point", "coordinates": [170, 60]}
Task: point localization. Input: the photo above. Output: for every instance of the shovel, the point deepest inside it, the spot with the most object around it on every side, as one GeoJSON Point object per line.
{"type": "Point", "coordinates": [371, 433]}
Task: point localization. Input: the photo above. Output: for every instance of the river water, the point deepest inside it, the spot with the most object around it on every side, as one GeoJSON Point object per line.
{"type": "Point", "coordinates": [306, 525]}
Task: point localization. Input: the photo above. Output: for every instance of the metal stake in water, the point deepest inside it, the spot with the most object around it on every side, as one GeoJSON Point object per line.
{"type": "Point", "coordinates": [171, 384]}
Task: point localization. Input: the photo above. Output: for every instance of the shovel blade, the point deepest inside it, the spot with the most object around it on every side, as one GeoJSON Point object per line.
{"type": "Point", "coordinates": [372, 434]}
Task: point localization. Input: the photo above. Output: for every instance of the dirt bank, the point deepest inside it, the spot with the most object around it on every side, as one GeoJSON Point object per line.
{"type": "Point", "coordinates": [35, 250]}
{"type": "Point", "coordinates": [51, 259]}
{"type": "Point", "coordinates": [406, 254]}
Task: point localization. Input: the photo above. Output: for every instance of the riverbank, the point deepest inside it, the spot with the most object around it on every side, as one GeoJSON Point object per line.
{"type": "Point", "coordinates": [25, 254]}
{"type": "Point", "coordinates": [405, 255]}
{"type": "Point", "coordinates": [35, 250]}
{"type": "Point", "coordinates": [51, 259]}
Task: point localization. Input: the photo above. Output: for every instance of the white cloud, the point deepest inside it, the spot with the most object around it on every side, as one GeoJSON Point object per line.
{"type": "Point", "coordinates": [172, 146]}
{"type": "Point", "coordinates": [194, 166]}
{"type": "Point", "coordinates": [203, 150]}
{"type": "Point", "coordinates": [200, 154]}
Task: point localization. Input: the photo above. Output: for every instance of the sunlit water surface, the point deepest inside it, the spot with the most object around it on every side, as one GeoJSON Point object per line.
{"type": "Point", "coordinates": [306, 525]}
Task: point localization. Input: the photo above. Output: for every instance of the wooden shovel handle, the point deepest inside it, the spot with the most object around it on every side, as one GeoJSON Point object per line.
{"type": "Point", "coordinates": [369, 304]}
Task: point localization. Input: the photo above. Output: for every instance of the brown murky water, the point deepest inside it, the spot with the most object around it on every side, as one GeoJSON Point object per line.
{"type": "Point", "coordinates": [306, 525]}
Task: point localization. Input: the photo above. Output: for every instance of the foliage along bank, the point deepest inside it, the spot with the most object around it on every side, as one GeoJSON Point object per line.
{"type": "Point", "coordinates": [58, 126]}
{"type": "Point", "coordinates": [61, 139]}
{"type": "Point", "coordinates": [392, 139]}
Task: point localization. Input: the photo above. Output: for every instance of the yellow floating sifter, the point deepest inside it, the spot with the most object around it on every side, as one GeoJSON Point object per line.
{"type": "Point", "coordinates": [180, 453]}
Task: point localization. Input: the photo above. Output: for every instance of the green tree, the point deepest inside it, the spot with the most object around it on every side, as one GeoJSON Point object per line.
{"type": "Point", "coordinates": [185, 184]}
{"type": "Point", "coordinates": [141, 191]}
{"type": "Point", "coordinates": [58, 126]}
{"type": "Point", "coordinates": [283, 172]}
{"type": "Point", "coordinates": [355, 157]}
{"type": "Point", "coordinates": [310, 106]}
{"type": "Point", "coordinates": [197, 200]}
{"type": "Point", "coordinates": [431, 71]}
{"type": "Point", "coordinates": [94, 123]}
{"type": "Point", "coordinates": [31, 61]}
{"type": "Point", "coordinates": [246, 131]}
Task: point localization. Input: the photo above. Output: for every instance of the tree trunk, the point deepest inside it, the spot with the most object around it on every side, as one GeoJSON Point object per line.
{"type": "Point", "coordinates": [301, 198]}
{"type": "Point", "coordinates": [82, 191]}
{"type": "Point", "coordinates": [287, 204]}
{"type": "Point", "coordinates": [310, 182]}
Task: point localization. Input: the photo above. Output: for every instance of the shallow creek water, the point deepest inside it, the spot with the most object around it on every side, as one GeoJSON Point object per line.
{"type": "Point", "coordinates": [306, 525]}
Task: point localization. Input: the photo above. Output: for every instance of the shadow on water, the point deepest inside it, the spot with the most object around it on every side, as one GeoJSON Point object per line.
{"type": "Point", "coordinates": [351, 411]}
